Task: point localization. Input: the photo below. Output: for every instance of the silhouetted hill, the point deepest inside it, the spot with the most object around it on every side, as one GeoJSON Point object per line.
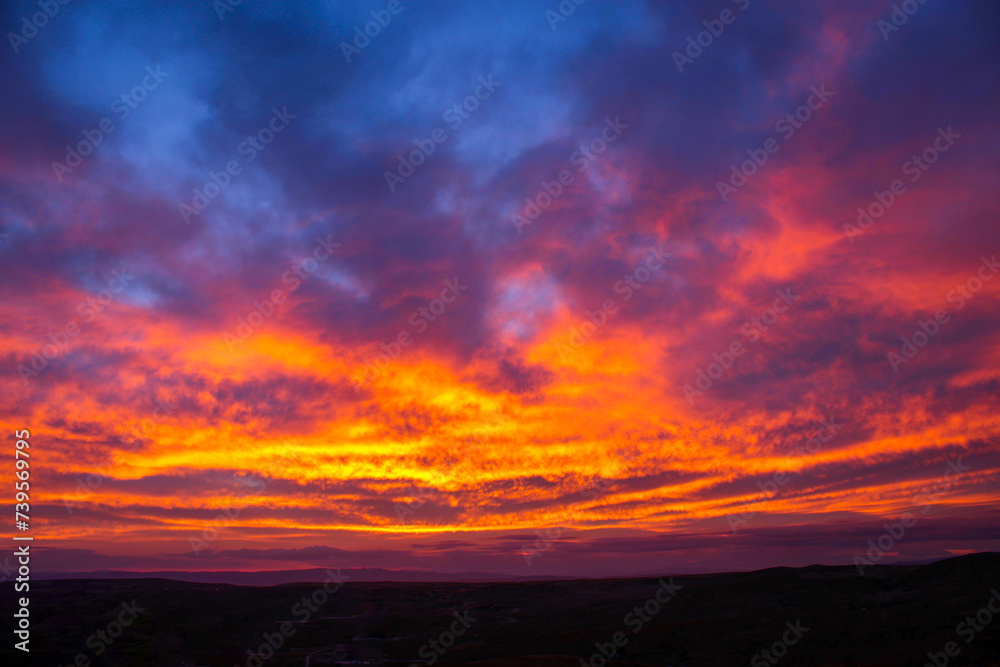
{"type": "Point", "coordinates": [893, 616]}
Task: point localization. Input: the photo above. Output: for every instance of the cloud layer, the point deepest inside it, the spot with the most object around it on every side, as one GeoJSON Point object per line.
{"type": "Point", "coordinates": [482, 277]}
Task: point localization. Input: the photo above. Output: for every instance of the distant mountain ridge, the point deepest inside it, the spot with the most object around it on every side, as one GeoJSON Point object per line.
{"type": "Point", "coordinates": [279, 577]}
{"type": "Point", "coordinates": [376, 574]}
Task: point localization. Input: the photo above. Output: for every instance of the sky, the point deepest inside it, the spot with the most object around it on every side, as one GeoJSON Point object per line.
{"type": "Point", "coordinates": [513, 287]}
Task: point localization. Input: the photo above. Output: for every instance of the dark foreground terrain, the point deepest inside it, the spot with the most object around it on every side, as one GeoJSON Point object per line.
{"type": "Point", "coordinates": [816, 616]}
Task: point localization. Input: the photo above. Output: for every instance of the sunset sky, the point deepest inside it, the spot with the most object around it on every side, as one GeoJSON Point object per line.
{"type": "Point", "coordinates": [297, 292]}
